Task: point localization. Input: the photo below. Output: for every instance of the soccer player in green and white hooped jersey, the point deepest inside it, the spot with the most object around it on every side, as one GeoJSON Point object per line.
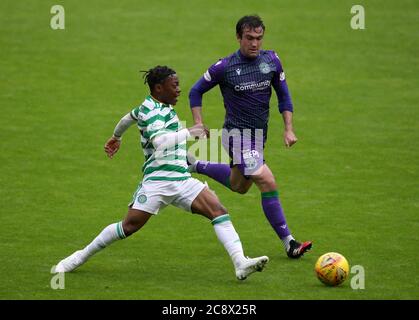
{"type": "Point", "coordinates": [166, 178]}
{"type": "Point", "coordinates": [155, 119]}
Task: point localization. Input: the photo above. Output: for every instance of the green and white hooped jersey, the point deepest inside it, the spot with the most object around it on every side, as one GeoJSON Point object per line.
{"type": "Point", "coordinates": [153, 119]}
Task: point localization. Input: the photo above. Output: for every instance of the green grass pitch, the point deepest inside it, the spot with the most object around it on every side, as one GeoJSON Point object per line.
{"type": "Point", "coordinates": [350, 184]}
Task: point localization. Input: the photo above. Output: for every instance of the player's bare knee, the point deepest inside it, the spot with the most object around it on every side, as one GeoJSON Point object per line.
{"type": "Point", "coordinates": [129, 227]}
{"type": "Point", "coordinates": [220, 209]}
{"type": "Point", "coordinates": [270, 183]}
{"type": "Point", "coordinates": [265, 182]}
{"type": "Point", "coordinates": [128, 230]}
{"type": "Point", "coordinates": [265, 186]}
{"type": "Point", "coordinates": [217, 211]}
{"type": "Point", "coordinates": [240, 188]}
{"type": "Point", "coordinates": [234, 188]}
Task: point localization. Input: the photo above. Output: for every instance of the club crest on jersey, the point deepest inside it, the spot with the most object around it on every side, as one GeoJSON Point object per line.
{"type": "Point", "coordinates": [264, 68]}
{"type": "Point", "coordinates": [250, 158]}
{"type": "Point", "coordinates": [142, 198]}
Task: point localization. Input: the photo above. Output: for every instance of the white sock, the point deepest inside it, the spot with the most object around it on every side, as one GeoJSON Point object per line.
{"type": "Point", "coordinates": [193, 162]}
{"type": "Point", "coordinates": [229, 238]}
{"type": "Point", "coordinates": [286, 241]}
{"type": "Point", "coordinates": [108, 235]}
{"type": "Point", "coordinates": [192, 167]}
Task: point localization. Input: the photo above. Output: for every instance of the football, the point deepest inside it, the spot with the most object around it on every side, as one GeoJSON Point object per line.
{"type": "Point", "coordinates": [332, 269]}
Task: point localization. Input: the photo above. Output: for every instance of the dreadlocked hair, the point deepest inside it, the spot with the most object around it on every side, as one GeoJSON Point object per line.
{"type": "Point", "coordinates": [156, 75]}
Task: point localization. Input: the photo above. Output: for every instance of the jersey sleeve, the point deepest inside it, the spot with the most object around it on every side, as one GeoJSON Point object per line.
{"type": "Point", "coordinates": [215, 73]}
{"type": "Point", "coordinates": [134, 113]}
{"type": "Point", "coordinates": [280, 85]}
{"type": "Point", "coordinates": [213, 76]}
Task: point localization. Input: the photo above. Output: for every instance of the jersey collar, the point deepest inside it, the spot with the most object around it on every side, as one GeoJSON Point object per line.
{"type": "Point", "coordinates": [244, 58]}
{"type": "Point", "coordinates": [162, 105]}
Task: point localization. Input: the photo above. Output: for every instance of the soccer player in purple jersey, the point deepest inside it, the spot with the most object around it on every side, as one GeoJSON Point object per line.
{"type": "Point", "coordinates": [245, 79]}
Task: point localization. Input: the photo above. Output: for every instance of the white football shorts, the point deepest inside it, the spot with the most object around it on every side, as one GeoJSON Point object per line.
{"type": "Point", "coordinates": [152, 195]}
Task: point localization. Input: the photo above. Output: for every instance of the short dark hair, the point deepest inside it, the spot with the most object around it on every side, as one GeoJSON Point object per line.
{"type": "Point", "coordinates": [252, 21]}
{"type": "Point", "coordinates": [157, 75]}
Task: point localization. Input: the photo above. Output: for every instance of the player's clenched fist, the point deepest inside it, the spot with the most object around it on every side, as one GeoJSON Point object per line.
{"type": "Point", "coordinates": [289, 138]}
{"type": "Point", "coordinates": [112, 146]}
{"type": "Point", "coordinates": [199, 131]}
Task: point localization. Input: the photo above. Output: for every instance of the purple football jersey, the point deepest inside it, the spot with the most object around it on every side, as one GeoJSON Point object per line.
{"type": "Point", "coordinates": [246, 88]}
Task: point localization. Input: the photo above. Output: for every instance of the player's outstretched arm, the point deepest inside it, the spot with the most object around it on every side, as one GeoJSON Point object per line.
{"type": "Point", "coordinates": [197, 114]}
{"type": "Point", "coordinates": [113, 143]}
{"type": "Point", "coordinates": [209, 80]}
{"type": "Point", "coordinates": [197, 118]}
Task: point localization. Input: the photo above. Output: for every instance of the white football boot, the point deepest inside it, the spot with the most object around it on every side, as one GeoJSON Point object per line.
{"type": "Point", "coordinates": [251, 265]}
{"type": "Point", "coordinates": [71, 262]}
